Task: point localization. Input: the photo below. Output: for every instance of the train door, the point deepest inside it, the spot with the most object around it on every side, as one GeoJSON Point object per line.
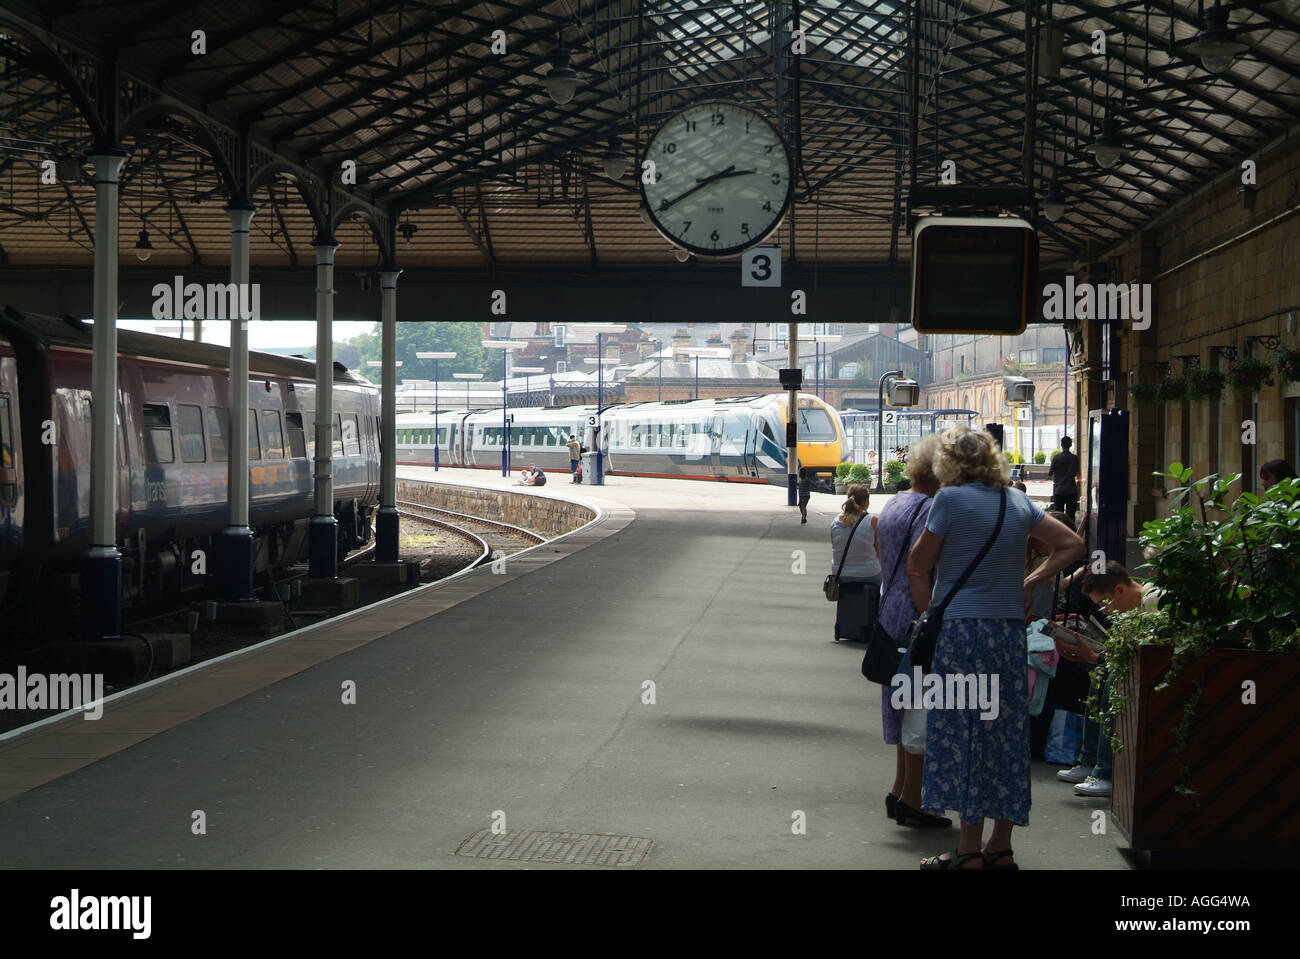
{"type": "Point", "coordinates": [371, 450]}
{"type": "Point", "coordinates": [715, 442]}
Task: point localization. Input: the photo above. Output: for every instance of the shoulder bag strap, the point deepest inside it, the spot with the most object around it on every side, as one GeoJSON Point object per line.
{"type": "Point", "coordinates": [1002, 512]}
{"type": "Point", "coordinates": [848, 542]}
{"type": "Point", "coordinates": [902, 551]}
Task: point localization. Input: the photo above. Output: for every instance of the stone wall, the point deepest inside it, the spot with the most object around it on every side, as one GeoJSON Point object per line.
{"type": "Point", "coordinates": [540, 514]}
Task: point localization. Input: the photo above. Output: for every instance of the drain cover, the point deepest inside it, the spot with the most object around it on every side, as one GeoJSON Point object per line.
{"type": "Point", "coordinates": [570, 848]}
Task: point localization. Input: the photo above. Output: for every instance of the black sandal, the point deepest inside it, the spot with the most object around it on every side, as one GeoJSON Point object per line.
{"type": "Point", "coordinates": [955, 863]}
{"type": "Point", "coordinates": [991, 858]}
{"type": "Point", "coordinates": [891, 805]}
{"type": "Point", "coordinates": [907, 816]}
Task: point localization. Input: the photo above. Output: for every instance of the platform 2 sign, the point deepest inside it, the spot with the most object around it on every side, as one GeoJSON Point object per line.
{"type": "Point", "coordinates": [973, 275]}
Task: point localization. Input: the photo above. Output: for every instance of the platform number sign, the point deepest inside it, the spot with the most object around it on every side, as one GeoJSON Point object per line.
{"type": "Point", "coordinates": [889, 418]}
{"type": "Point", "coordinates": [1023, 413]}
{"type": "Point", "coordinates": [591, 420]}
{"type": "Point", "coordinates": [761, 266]}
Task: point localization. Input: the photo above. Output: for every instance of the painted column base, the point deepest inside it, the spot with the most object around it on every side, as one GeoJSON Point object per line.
{"type": "Point", "coordinates": [101, 593]}
{"type": "Point", "coordinates": [237, 562]}
{"type": "Point", "coordinates": [386, 535]}
{"type": "Point", "coordinates": [322, 547]}
{"type": "Point", "coordinates": [792, 494]}
{"type": "Point", "coordinates": [599, 478]}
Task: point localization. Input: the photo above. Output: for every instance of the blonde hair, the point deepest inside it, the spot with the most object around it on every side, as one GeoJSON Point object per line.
{"type": "Point", "coordinates": [967, 456]}
{"type": "Point", "coordinates": [856, 504]}
{"type": "Point", "coordinates": [920, 461]}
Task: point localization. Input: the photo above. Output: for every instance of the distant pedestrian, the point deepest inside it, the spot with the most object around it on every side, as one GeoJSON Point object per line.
{"type": "Point", "coordinates": [1273, 472]}
{"type": "Point", "coordinates": [575, 454]}
{"type": "Point", "coordinates": [805, 494]}
{"type": "Point", "coordinates": [855, 556]}
{"type": "Point", "coordinates": [1064, 473]}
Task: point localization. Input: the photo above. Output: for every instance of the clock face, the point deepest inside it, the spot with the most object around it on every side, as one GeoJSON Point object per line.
{"type": "Point", "coordinates": [721, 179]}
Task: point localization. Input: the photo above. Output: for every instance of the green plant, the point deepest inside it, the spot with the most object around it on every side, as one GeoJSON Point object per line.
{"type": "Point", "coordinates": [1205, 384]}
{"type": "Point", "coordinates": [1227, 573]}
{"type": "Point", "coordinates": [842, 471]}
{"type": "Point", "coordinates": [1040, 457]}
{"type": "Point", "coordinates": [860, 473]}
{"type": "Point", "coordinates": [1143, 394]}
{"type": "Point", "coordinates": [1288, 365]}
{"type": "Point", "coordinates": [1171, 391]}
{"type": "Point", "coordinates": [1247, 375]}
{"type": "Point", "coordinates": [1052, 455]}
{"type": "Point", "coordinates": [895, 470]}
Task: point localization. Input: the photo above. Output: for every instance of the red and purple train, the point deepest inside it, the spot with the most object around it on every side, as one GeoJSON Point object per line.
{"type": "Point", "coordinates": [173, 412]}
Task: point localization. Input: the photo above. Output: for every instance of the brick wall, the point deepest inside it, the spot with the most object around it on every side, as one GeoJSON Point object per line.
{"type": "Point", "coordinates": [540, 514]}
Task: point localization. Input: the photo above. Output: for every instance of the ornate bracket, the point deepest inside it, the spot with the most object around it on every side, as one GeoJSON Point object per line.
{"type": "Point", "coordinates": [1191, 361]}
{"type": "Point", "coordinates": [1270, 341]}
{"type": "Point", "coordinates": [1229, 351]}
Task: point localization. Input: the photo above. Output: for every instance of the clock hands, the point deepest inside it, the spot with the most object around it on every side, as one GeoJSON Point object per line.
{"type": "Point", "coordinates": [702, 182]}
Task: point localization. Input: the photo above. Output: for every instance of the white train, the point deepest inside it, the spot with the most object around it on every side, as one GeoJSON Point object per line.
{"type": "Point", "coordinates": [741, 439]}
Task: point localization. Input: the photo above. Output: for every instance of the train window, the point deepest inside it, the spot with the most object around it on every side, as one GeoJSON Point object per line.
{"type": "Point", "coordinates": [218, 417]}
{"type": "Point", "coordinates": [297, 439]}
{"type": "Point", "coordinates": [254, 448]}
{"type": "Point", "coordinates": [158, 448]}
{"type": "Point", "coordinates": [190, 420]}
{"type": "Point", "coordinates": [6, 436]}
{"type": "Point", "coordinates": [274, 436]}
{"type": "Point", "coordinates": [338, 434]}
{"type": "Point", "coordinates": [767, 431]}
{"type": "Point", "coordinates": [815, 426]}
{"type": "Point", "coordinates": [351, 435]}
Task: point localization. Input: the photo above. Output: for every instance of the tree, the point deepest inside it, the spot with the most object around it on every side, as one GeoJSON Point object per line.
{"type": "Point", "coordinates": [464, 339]}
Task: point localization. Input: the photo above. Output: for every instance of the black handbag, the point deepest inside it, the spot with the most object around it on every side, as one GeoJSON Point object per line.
{"type": "Point", "coordinates": [884, 652]}
{"type": "Point", "coordinates": [831, 584]}
{"type": "Point", "coordinates": [924, 634]}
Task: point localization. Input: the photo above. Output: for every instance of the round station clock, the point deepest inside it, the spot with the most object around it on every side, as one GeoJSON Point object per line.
{"type": "Point", "coordinates": [721, 179]}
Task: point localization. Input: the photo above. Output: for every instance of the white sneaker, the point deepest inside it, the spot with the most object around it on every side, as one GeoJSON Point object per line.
{"type": "Point", "coordinates": [1092, 786]}
{"type": "Point", "coordinates": [1075, 775]}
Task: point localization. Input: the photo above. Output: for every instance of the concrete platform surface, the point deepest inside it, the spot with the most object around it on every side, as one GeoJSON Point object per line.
{"type": "Point", "coordinates": [520, 699]}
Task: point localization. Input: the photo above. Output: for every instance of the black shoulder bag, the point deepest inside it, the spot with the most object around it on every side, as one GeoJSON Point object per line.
{"type": "Point", "coordinates": [884, 653]}
{"type": "Point", "coordinates": [831, 585]}
{"type": "Point", "coordinates": [925, 629]}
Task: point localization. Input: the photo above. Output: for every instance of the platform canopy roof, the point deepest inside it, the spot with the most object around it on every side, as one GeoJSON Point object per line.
{"type": "Point", "coordinates": [464, 162]}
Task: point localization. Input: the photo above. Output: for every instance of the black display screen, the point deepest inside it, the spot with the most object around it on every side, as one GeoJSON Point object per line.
{"type": "Point", "coordinates": [973, 278]}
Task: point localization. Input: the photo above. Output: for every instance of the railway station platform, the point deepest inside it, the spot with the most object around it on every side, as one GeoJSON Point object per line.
{"type": "Point", "coordinates": [520, 697]}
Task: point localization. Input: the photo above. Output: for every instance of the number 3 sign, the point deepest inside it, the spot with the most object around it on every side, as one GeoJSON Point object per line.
{"type": "Point", "coordinates": [761, 266]}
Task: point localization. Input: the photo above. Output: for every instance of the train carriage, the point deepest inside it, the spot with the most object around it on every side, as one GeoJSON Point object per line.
{"type": "Point", "coordinates": [740, 439]}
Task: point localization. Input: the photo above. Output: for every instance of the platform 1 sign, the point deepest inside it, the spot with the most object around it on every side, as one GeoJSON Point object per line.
{"type": "Point", "coordinates": [761, 266]}
{"type": "Point", "coordinates": [973, 274]}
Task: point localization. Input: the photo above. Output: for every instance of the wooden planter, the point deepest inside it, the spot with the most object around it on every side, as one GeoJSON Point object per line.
{"type": "Point", "coordinates": [1244, 759]}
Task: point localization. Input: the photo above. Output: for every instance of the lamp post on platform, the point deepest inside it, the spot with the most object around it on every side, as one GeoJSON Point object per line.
{"type": "Point", "coordinates": [506, 347]}
{"type": "Point", "coordinates": [436, 357]}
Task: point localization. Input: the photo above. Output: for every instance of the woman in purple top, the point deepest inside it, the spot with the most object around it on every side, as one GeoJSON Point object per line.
{"type": "Point", "coordinates": [897, 610]}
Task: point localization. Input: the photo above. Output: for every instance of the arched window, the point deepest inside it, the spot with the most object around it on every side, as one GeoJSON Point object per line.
{"type": "Point", "coordinates": [984, 405]}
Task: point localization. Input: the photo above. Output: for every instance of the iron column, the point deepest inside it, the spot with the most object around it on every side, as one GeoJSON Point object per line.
{"type": "Point", "coordinates": [238, 535]}
{"type": "Point", "coordinates": [323, 532]}
{"type": "Point", "coordinates": [387, 523]}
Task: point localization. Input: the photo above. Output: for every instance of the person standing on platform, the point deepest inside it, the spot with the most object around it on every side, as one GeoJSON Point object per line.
{"type": "Point", "coordinates": [854, 556]}
{"type": "Point", "coordinates": [805, 494]}
{"type": "Point", "coordinates": [977, 754]}
{"type": "Point", "coordinates": [897, 528]}
{"type": "Point", "coordinates": [1064, 474]}
{"type": "Point", "coordinates": [575, 456]}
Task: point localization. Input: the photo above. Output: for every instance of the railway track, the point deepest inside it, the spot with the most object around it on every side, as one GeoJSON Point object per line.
{"type": "Point", "coordinates": [497, 539]}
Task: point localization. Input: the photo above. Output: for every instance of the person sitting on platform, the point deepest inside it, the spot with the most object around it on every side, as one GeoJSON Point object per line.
{"type": "Point", "coordinates": [1273, 472]}
{"type": "Point", "coordinates": [532, 476]}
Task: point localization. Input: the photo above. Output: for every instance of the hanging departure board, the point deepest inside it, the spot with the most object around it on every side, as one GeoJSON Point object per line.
{"type": "Point", "coordinates": [973, 274]}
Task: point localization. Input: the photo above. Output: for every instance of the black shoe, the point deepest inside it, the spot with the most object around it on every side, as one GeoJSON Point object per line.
{"type": "Point", "coordinates": [891, 805]}
{"type": "Point", "coordinates": [907, 816]}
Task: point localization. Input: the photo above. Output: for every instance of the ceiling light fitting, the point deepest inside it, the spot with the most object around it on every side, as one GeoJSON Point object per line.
{"type": "Point", "coordinates": [1108, 148]}
{"type": "Point", "coordinates": [1215, 44]}
{"type": "Point", "coordinates": [562, 82]}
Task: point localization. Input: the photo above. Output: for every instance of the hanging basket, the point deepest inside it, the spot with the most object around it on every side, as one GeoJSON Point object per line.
{"type": "Point", "coordinates": [1288, 365]}
{"type": "Point", "coordinates": [1143, 394]}
{"type": "Point", "coordinates": [1171, 391]}
{"type": "Point", "coordinates": [1248, 375]}
{"type": "Point", "coordinates": [1205, 384]}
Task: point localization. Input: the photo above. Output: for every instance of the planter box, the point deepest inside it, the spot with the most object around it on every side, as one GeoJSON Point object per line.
{"type": "Point", "coordinates": [1244, 759]}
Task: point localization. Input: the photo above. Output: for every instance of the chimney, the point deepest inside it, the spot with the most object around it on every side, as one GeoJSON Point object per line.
{"type": "Point", "coordinates": [681, 342]}
{"type": "Point", "coordinates": [739, 346]}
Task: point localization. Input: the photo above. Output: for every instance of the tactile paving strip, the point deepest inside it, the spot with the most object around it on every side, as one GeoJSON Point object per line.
{"type": "Point", "coordinates": [569, 848]}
